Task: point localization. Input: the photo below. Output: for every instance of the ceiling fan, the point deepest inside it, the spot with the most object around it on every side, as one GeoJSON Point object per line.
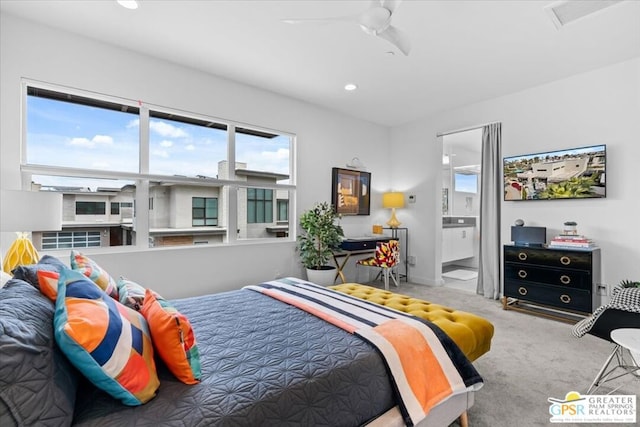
{"type": "Point", "coordinates": [376, 21]}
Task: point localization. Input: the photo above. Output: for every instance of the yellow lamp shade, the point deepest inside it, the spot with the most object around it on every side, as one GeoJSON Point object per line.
{"type": "Point", "coordinates": [394, 199]}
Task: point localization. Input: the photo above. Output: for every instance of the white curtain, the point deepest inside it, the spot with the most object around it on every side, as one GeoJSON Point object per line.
{"type": "Point", "coordinates": [490, 198]}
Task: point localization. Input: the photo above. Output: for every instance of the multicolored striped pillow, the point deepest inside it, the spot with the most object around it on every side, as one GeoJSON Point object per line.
{"type": "Point", "coordinates": [93, 271]}
{"type": "Point", "coordinates": [130, 293]}
{"type": "Point", "coordinates": [173, 337]}
{"type": "Point", "coordinates": [106, 341]}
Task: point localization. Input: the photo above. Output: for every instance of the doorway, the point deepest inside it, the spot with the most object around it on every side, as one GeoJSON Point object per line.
{"type": "Point", "coordinates": [461, 186]}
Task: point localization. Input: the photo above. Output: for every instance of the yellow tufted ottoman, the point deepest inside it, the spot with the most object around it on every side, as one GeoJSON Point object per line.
{"type": "Point", "coordinates": [470, 332]}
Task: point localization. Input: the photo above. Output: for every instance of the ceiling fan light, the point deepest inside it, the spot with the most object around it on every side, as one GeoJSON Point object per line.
{"type": "Point", "coordinates": [128, 4]}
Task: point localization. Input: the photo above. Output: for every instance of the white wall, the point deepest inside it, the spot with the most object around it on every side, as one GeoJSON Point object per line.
{"type": "Point", "coordinates": [41, 53]}
{"type": "Point", "coordinates": [598, 107]}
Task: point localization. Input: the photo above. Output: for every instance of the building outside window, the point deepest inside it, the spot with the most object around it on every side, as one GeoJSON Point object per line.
{"type": "Point", "coordinates": [88, 146]}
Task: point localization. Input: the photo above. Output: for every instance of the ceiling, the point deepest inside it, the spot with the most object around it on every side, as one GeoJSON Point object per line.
{"type": "Point", "coordinates": [462, 51]}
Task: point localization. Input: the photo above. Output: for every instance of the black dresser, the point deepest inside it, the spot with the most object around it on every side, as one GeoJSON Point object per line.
{"type": "Point", "coordinates": [562, 280]}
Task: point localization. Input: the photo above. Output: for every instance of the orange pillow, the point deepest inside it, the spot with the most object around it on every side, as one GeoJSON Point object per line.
{"type": "Point", "coordinates": [172, 337]}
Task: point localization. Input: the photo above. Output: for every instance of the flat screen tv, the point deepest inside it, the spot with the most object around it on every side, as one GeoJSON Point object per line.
{"type": "Point", "coordinates": [574, 173]}
{"type": "Point", "coordinates": [528, 235]}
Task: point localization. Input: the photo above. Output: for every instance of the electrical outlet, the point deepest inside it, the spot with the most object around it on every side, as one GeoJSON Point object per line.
{"type": "Point", "coordinates": [412, 198]}
{"type": "Point", "coordinates": [411, 259]}
{"type": "Point", "coordinates": [601, 289]}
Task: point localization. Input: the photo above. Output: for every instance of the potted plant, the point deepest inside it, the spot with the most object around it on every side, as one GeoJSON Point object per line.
{"type": "Point", "coordinates": [320, 236]}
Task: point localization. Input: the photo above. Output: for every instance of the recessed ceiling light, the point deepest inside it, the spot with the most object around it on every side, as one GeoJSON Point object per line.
{"type": "Point", "coordinates": [129, 4]}
{"type": "Point", "coordinates": [350, 87]}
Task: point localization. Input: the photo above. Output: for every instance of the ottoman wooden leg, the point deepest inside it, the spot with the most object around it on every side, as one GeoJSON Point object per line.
{"type": "Point", "coordinates": [464, 419]}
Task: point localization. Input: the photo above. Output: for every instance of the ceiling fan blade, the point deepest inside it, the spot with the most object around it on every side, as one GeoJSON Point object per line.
{"type": "Point", "coordinates": [397, 38]}
{"type": "Point", "coordinates": [322, 20]}
{"type": "Point", "coordinates": [391, 5]}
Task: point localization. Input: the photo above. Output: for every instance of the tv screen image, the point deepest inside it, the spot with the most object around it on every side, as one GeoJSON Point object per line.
{"type": "Point", "coordinates": [528, 235]}
{"type": "Point", "coordinates": [575, 173]}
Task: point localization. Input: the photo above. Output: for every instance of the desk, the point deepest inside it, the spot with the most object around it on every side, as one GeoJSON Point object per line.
{"type": "Point", "coordinates": [354, 246]}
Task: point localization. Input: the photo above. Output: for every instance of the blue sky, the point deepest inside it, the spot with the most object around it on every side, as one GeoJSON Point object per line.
{"type": "Point", "coordinates": [72, 135]}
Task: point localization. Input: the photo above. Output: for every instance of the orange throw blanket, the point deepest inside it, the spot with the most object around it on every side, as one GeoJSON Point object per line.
{"type": "Point", "coordinates": [425, 364]}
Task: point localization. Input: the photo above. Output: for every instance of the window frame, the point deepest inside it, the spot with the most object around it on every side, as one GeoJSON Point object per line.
{"type": "Point", "coordinates": [143, 178]}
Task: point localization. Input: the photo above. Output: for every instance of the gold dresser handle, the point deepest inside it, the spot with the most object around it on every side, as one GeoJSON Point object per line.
{"type": "Point", "coordinates": [522, 274]}
{"type": "Point", "coordinates": [565, 298]}
{"type": "Point", "coordinates": [522, 291]}
{"type": "Point", "coordinates": [522, 256]}
{"type": "Point", "coordinates": [565, 279]}
{"type": "Point", "coordinates": [565, 260]}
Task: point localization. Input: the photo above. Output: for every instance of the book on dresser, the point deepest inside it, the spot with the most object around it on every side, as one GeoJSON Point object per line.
{"type": "Point", "coordinates": [572, 241]}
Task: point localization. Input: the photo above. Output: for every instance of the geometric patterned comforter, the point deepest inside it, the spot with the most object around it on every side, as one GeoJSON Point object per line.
{"type": "Point", "coordinates": [264, 363]}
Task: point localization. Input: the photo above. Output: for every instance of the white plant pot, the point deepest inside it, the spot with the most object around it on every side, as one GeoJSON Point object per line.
{"type": "Point", "coordinates": [324, 277]}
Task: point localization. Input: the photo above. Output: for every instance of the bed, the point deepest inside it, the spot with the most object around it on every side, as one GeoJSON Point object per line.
{"type": "Point", "coordinates": [263, 362]}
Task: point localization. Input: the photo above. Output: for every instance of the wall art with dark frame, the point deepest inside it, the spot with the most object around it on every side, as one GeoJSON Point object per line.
{"type": "Point", "coordinates": [350, 191]}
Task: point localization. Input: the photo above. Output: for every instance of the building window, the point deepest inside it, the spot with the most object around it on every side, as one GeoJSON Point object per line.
{"type": "Point", "coordinates": [283, 210]}
{"type": "Point", "coordinates": [259, 205]}
{"type": "Point", "coordinates": [70, 239]}
{"type": "Point", "coordinates": [204, 211]}
{"type": "Point", "coordinates": [115, 208]}
{"type": "Point", "coordinates": [90, 208]}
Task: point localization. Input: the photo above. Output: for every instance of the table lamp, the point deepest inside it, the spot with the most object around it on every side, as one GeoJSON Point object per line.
{"type": "Point", "coordinates": [24, 212]}
{"type": "Point", "coordinates": [393, 200]}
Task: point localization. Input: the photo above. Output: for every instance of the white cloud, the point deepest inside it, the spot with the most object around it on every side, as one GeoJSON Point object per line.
{"type": "Point", "coordinates": [133, 124]}
{"type": "Point", "coordinates": [166, 130]}
{"type": "Point", "coordinates": [166, 143]}
{"type": "Point", "coordinates": [90, 143]}
{"type": "Point", "coordinates": [102, 139]}
{"type": "Point", "coordinates": [190, 147]}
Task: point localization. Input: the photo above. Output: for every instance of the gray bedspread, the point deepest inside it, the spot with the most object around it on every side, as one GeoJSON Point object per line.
{"type": "Point", "coordinates": [264, 363]}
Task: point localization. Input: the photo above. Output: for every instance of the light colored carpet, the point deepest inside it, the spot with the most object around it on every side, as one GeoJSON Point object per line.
{"type": "Point", "coordinates": [461, 274]}
{"type": "Point", "coordinates": [531, 359]}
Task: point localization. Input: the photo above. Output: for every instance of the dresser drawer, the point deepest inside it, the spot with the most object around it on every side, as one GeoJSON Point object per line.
{"type": "Point", "coordinates": [549, 257]}
{"type": "Point", "coordinates": [564, 298]}
{"type": "Point", "coordinates": [576, 279]}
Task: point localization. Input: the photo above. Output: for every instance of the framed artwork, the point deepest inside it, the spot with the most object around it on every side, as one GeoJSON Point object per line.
{"type": "Point", "coordinates": [350, 191]}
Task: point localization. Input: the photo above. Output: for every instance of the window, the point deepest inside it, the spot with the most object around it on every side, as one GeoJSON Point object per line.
{"type": "Point", "coordinates": [117, 160]}
{"type": "Point", "coordinates": [283, 210]}
{"type": "Point", "coordinates": [115, 207]}
{"type": "Point", "coordinates": [259, 205]}
{"type": "Point", "coordinates": [204, 211]}
{"type": "Point", "coordinates": [69, 240]}
{"type": "Point", "coordinates": [466, 182]}
{"type": "Point", "coordinates": [90, 208]}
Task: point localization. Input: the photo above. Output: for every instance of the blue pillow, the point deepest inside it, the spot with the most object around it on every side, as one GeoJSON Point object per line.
{"type": "Point", "coordinates": [29, 273]}
{"type": "Point", "coordinates": [37, 382]}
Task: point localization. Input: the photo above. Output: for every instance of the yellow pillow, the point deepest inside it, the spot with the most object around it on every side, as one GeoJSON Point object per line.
{"type": "Point", "coordinates": [172, 337]}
